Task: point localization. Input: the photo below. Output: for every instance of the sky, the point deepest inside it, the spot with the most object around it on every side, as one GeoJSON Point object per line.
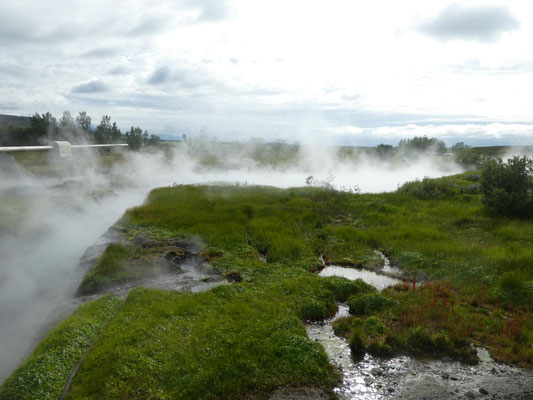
{"type": "Point", "coordinates": [335, 71]}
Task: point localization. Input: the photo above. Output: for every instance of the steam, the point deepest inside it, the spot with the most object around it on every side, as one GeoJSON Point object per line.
{"type": "Point", "coordinates": [48, 221]}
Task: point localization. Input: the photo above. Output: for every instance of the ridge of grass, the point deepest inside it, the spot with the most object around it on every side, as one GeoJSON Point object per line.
{"type": "Point", "coordinates": [45, 373]}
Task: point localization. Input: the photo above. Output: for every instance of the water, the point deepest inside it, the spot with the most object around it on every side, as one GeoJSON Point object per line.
{"type": "Point", "coordinates": [407, 378]}
{"type": "Point", "coordinates": [377, 280]}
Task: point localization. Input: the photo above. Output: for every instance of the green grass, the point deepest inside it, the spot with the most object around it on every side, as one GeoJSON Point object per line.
{"type": "Point", "coordinates": [247, 339]}
{"type": "Point", "coordinates": [45, 373]}
{"type": "Point", "coordinates": [111, 268]}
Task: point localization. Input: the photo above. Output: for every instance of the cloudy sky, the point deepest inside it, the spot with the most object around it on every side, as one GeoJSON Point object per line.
{"type": "Point", "coordinates": [335, 71]}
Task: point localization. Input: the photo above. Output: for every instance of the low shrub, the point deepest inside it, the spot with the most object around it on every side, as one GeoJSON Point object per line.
{"type": "Point", "coordinates": [427, 188]}
{"type": "Point", "coordinates": [343, 288]}
{"type": "Point", "coordinates": [369, 304]}
{"type": "Point", "coordinates": [374, 326]}
{"type": "Point", "coordinates": [507, 188]}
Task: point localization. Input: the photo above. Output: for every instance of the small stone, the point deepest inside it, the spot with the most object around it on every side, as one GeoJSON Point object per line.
{"type": "Point", "coordinates": [483, 391]}
{"type": "Point", "coordinates": [369, 381]}
{"type": "Point", "coordinates": [470, 395]}
{"type": "Point", "coordinates": [391, 389]}
{"type": "Point", "coordinates": [445, 376]}
{"type": "Point", "coordinates": [377, 371]}
{"type": "Point", "coordinates": [454, 378]}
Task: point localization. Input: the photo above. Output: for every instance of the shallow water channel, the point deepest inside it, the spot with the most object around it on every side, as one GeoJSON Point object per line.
{"type": "Point", "coordinates": [407, 378]}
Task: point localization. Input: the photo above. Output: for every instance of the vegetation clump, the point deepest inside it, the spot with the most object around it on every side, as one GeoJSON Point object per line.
{"type": "Point", "coordinates": [111, 267]}
{"type": "Point", "coordinates": [368, 304]}
{"type": "Point", "coordinates": [343, 288]}
{"type": "Point", "coordinates": [427, 188]}
{"type": "Point", "coordinates": [507, 188]}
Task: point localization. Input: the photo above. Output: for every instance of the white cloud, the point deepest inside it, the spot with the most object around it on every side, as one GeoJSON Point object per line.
{"type": "Point", "coordinates": [479, 23]}
{"type": "Point", "coordinates": [304, 68]}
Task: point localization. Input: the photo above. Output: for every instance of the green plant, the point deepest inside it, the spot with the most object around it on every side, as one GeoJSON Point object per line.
{"type": "Point", "coordinates": [368, 304]}
{"type": "Point", "coordinates": [508, 187]}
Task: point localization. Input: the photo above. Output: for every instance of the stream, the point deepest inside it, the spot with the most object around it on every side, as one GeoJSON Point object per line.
{"type": "Point", "coordinates": [408, 378]}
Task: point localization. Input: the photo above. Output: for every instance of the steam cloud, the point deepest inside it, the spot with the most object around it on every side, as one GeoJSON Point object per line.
{"type": "Point", "coordinates": [46, 223]}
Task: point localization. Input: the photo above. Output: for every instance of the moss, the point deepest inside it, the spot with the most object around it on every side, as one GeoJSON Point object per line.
{"type": "Point", "coordinates": [343, 288]}
{"type": "Point", "coordinates": [374, 326]}
{"type": "Point", "coordinates": [109, 268]}
{"type": "Point", "coordinates": [419, 341]}
{"type": "Point", "coordinates": [380, 348]}
{"type": "Point", "coordinates": [357, 345]}
{"type": "Point", "coordinates": [343, 326]}
{"type": "Point", "coordinates": [45, 373]}
{"type": "Point", "coordinates": [368, 304]}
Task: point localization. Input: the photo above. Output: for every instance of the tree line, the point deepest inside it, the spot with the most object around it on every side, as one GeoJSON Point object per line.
{"type": "Point", "coordinates": [45, 127]}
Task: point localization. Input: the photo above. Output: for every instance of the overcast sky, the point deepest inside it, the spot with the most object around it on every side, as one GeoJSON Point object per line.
{"type": "Point", "coordinates": [335, 71]}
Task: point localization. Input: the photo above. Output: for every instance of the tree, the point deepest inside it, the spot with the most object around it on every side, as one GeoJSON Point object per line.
{"type": "Point", "coordinates": [460, 146]}
{"type": "Point", "coordinates": [465, 156]}
{"type": "Point", "coordinates": [116, 135]}
{"type": "Point", "coordinates": [383, 150]}
{"type": "Point", "coordinates": [103, 131]}
{"type": "Point", "coordinates": [154, 140]}
{"type": "Point", "coordinates": [83, 122]}
{"type": "Point", "coordinates": [67, 127]}
{"type": "Point", "coordinates": [507, 188]}
{"type": "Point", "coordinates": [136, 138]}
{"type": "Point", "coordinates": [423, 144]}
{"type": "Point", "coordinates": [44, 125]}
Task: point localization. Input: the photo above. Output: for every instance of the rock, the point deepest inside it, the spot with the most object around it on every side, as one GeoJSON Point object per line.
{"type": "Point", "coordinates": [369, 381]}
{"type": "Point", "coordinates": [483, 391]}
{"type": "Point", "coordinates": [454, 378]}
{"type": "Point", "coordinates": [445, 376]}
{"type": "Point", "coordinates": [376, 371]}
{"type": "Point", "coordinates": [470, 395]}
{"type": "Point", "coordinates": [391, 389]}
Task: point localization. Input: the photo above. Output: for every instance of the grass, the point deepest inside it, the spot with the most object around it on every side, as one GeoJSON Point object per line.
{"type": "Point", "coordinates": [45, 373]}
{"type": "Point", "coordinates": [247, 339]}
{"type": "Point", "coordinates": [111, 268]}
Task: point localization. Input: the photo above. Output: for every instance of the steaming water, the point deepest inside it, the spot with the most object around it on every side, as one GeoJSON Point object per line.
{"type": "Point", "coordinates": [57, 219]}
{"type": "Point", "coordinates": [370, 277]}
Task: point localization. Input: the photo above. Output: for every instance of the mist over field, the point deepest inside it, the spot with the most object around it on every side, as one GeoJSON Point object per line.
{"type": "Point", "coordinates": [47, 222]}
{"type": "Point", "coordinates": [50, 217]}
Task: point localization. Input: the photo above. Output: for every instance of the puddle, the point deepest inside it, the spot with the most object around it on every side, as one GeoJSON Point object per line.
{"type": "Point", "coordinates": [377, 280]}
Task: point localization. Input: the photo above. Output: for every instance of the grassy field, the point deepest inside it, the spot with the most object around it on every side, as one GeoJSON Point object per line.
{"type": "Point", "coordinates": [246, 339]}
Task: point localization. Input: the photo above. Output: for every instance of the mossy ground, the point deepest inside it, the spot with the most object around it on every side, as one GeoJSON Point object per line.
{"type": "Point", "coordinates": [248, 338]}
{"type": "Point", "coordinates": [45, 373]}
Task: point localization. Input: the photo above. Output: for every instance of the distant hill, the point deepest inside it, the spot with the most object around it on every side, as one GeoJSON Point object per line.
{"type": "Point", "coordinates": [13, 120]}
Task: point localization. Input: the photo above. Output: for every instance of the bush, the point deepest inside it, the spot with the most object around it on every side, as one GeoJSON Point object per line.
{"type": "Point", "coordinates": [423, 144]}
{"type": "Point", "coordinates": [507, 188]}
{"type": "Point", "coordinates": [374, 326]}
{"type": "Point", "coordinates": [343, 288]}
{"type": "Point", "coordinates": [345, 325]}
{"type": "Point", "coordinates": [369, 304]}
{"type": "Point", "coordinates": [427, 188]}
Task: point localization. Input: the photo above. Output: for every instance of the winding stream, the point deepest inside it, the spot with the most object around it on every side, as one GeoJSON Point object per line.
{"type": "Point", "coordinates": [407, 378]}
